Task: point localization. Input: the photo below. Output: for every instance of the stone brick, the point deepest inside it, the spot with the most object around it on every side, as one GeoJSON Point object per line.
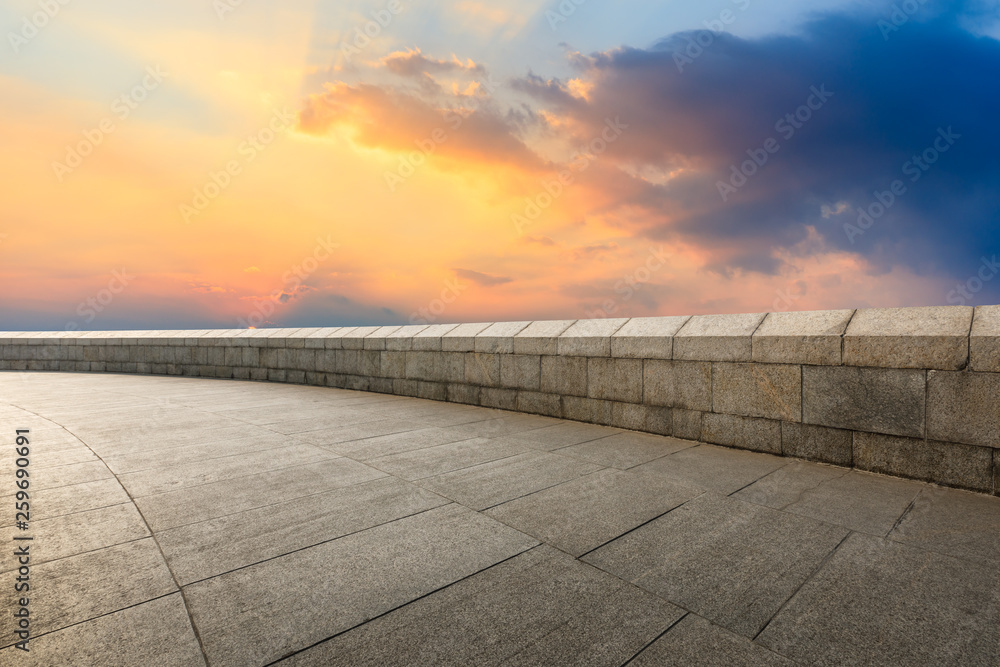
{"type": "Point", "coordinates": [935, 337]}
{"type": "Point", "coordinates": [538, 403]}
{"type": "Point", "coordinates": [520, 371]}
{"type": "Point", "coordinates": [964, 407]}
{"type": "Point", "coordinates": [541, 337]}
{"type": "Point", "coordinates": [964, 466]}
{"type": "Point", "coordinates": [589, 338]}
{"type": "Point", "coordinates": [376, 339]}
{"type": "Point", "coordinates": [463, 337]}
{"type": "Point", "coordinates": [679, 384]}
{"type": "Point", "coordinates": [502, 399]}
{"type": "Point", "coordinates": [637, 417]}
{"type": "Point", "coordinates": [759, 435]}
{"type": "Point", "coordinates": [817, 443]}
{"type": "Point", "coordinates": [429, 339]}
{"type": "Point", "coordinates": [647, 337]}
{"type": "Point", "coordinates": [482, 369]}
{"type": "Point", "coordinates": [686, 424]}
{"type": "Point", "coordinates": [717, 337]}
{"type": "Point", "coordinates": [880, 400]}
{"type": "Point", "coordinates": [566, 376]}
{"type": "Point", "coordinates": [811, 337]}
{"type": "Point", "coordinates": [463, 393]}
{"type": "Point", "coordinates": [392, 364]}
{"type": "Point", "coordinates": [773, 391]}
{"type": "Point", "coordinates": [499, 337]}
{"type": "Point", "coordinates": [402, 338]}
{"type": "Point", "coordinates": [587, 410]}
{"type": "Point", "coordinates": [984, 342]}
{"type": "Point", "coordinates": [615, 379]}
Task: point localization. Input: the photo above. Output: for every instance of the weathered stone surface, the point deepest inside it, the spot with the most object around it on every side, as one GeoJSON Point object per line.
{"type": "Point", "coordinates": [696, 641]}
{"type": "Point", "coordinates": [717, 468]}
{"type": "Point", "coordinates": [463, 337]}
{"type": "Point", "coordinates": [615, 379]}
{"type": "Point", "coordinates": [647, 337]}
{"type": "Point", "coordinates": [625, 450]}
{"type": "Point", "coordinates": [566, 376]}
{"type": "Point", "coordinates": [435, 366]}
{"type": "Point", "coordinates": [482, 369]}
{"type": "Point", "coordinates": [499, 337]}
{"type": "Point", "coordinates": [589, 338]}
{"type": "Point", "coordinates": [954, 523]}
{"type": "Point", "coordinates": [368, 573]}
{"type": "Point", "coordinates": [686, 424]}
{"type": "Point", "coordinates": [773, 391]}
{"type": "Point", "coordinates": [984, 341]}
{"type": "Point", "coordinates": [787, 484]}
{"type": "Point", "coordinates": [759, 435]}
{"type": "Point", "coordinates": [584, 513]}
{"type": "Point", "coordinates": [520, 371]}
{"type": "Point", "coordinates": [964, 407]}
{"type": "Point", "coordinates": [964, 466]}
{"type": "Point", "coordinates": [430, 337]}
{"type": "Point", "coordinates": [880, 400]}
{"type": "Point", "coordinates": [678, 384]}
{"type": "Point", "coordinates": [717, 337]}
{"type": "Point", "coordinates": [157, 632]}
{"type": "Point", "coordinates": [209, 548]}
{"type": "Point", "coordinates": [809, 337]}
{"type": "Point", "coordinates": [817, 443]}
{"type": "Point", "coordinates": [713, 555]}
{"type": "Point", "coordinates": [637, 417]}
{"type": "Point", "coordinates": [861, 501]}
{"type": "Point", "coordinates": [537, 403]}
{"type": "Point", "coordinates": [497, 482]}
{"type": "Point", "coordinates": [934, 337]}
{"type": "Point", "coordinates": [497, 617]}
{"type": "Point", "coordinates": [402, 338]}
{"type": "Point", "coordinates": [563, 434]}
{"type": "Point", "coordinates": [541, 337]}
{"type": "Point", "coordinates": [877, 602]}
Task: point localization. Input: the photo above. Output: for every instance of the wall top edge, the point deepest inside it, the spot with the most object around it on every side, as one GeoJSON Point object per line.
{"type": "Point", "coordinates": [930, 322]}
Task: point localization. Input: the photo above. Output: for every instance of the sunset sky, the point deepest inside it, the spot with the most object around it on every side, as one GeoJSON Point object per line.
{"type": "Point", "coordinates": [217, 163]}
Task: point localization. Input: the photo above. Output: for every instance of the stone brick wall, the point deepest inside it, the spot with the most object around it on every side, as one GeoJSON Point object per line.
{"type": "Point", "coordinates": [912, 392]}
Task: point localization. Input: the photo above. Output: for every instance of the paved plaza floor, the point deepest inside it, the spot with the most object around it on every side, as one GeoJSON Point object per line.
{"type": "Point", "coordinates": [183, 521]}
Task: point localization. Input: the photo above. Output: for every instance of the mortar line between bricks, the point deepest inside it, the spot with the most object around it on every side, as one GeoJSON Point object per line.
{"type": "Point", "coordinates": [822, 564]}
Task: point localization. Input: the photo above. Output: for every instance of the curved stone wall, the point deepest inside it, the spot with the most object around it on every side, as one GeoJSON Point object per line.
{"type": "Point", "coordinates": [912, 392]}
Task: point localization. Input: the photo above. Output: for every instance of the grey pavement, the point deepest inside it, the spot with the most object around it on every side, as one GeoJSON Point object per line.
{"type": "Point", "coordinates": [187, 521]}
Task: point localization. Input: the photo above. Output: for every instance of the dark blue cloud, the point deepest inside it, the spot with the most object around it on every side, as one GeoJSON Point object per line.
{"type": "Point", "coordinates": [896, 91]}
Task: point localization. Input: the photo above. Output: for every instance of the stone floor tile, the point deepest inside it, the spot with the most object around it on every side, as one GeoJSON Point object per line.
{"type": "Point", "coordinates": [584, 513]}
{"type": "Point", "coordinates": [878, 602]}
{"type": "Point", "coordinates": [732, 562]}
